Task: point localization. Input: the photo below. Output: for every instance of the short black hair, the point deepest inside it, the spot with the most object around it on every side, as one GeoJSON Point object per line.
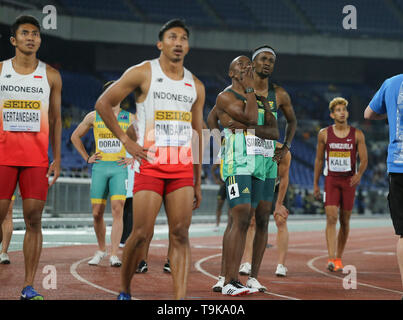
{"type": "Point", "coordinates": [261, 47]}
{"type": "Point", "coordinates": [23, 20]}
{"type": "Point", "coordinates": [172, 24]}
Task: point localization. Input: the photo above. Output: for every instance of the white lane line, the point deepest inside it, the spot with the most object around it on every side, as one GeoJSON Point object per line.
{"type": "Point", "coordinates": [200, 269]}
{"type": "Point", "coordinates": [311, 262]}
{"type": "Point", "coordinates": [73, 271]}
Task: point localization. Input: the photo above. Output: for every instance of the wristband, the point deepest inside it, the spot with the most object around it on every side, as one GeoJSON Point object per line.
{"type": "Point", "coordinates": [249, 90]}
{"type": "Point", "coordinates": [287, 145]}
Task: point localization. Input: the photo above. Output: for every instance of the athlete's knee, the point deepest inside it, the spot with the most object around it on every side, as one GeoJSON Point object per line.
{"type": "Point", "coordinates": [331, 219]}
{"type": "Point", "coordinates": [345, 220]}
{"type": "Point", "coordinates": [33, 220]}
{"type": "Point", "coordinates": [140, 238]}
{"type": "Point", "coordinates": [98, 214]}
{"type": "Point", "coordinates": [179, 234]}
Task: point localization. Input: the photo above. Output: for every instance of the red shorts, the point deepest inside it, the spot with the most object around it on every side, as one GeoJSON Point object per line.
{"type": "Point", "coordinates": [338, 192]}
{"type": "Point", "coordinates": [32, 181]}
{"type": "Point", "coordinates": [162, 186]}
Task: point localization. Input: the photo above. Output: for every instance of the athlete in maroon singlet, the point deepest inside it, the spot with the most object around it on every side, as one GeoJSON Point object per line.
{"type": "Point", "coordinates": [339, 144]}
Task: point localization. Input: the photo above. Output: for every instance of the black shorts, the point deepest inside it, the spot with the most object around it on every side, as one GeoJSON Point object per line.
{"type": "Point", "coordinates": [395, 201]}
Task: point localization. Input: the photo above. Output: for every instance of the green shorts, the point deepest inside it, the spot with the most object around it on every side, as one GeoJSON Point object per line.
{"type": "Point", "coordinates": [265, 189]}
{"type": "Point", "coordinates": [243, 189]}
{"type": "Point", "coordinates": [108, 178]}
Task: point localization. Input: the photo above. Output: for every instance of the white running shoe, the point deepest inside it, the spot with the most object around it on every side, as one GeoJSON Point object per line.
{"type": "Point", "coordinates": [235, 288]}
{"type": "Point", "coordinates": [99, 255]}
{"type": "Point", "coordinates": [220, 283]}
{"type": "Point", "coordinates": [252, 283]}
{"type": "Point", "coordinates": [281, 271]}
{"type": "Point", "coordinates": [4, 259]}
{"type": "Point", "coordinates": [114, 261]}
{"type": "Point", "coordinates": [245, 269]}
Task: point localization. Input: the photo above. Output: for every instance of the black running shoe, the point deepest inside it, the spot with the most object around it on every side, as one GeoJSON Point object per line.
{"type": "Point", "coordinates": [143, 267]}
{"type": "Point", "coordinates": [167, 267]}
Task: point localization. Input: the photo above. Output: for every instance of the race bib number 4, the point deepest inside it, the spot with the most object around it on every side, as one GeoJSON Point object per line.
{"type": "Point", "coordinates": [22, 115]}
{"type": "Point", "coordinates": [233, 191]}
{"type": "Point", "coordinates": [339, 161]}
{"type": "Point", "coordinates": [173, 128]}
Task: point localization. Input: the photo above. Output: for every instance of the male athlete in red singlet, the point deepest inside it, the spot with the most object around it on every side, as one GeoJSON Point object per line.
{"type": "Point", "coordinates": [30, 100]}
{"type": "Point", "coordinates": [339, 144]}
{"type": "Point", "coordinates": [170, 103]}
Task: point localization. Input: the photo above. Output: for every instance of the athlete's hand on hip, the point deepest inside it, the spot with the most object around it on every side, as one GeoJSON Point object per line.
{"type": "Point", "coordinates": [197, 197]}
{"type": "Point", "coordinates": [316, 192]}
{"type": "Point", "coordinates": [126, 162]}
{"type": "Point", "coordinates": [138, 152]}
{"type": "Point", "coordinates": [54, 169]}
{"type": "Point", "coordinates": [355, 180]}
{"type": "Point", "coordinates": [93, 158]}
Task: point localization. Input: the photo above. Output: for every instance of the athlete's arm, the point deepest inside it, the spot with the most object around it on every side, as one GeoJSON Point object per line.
{"type": "Point", "coordinates": [362, 153]}
{"type": "Point", "coordinates": [55, 121]}
{"type": "Point", "coordinates": [320, 153]}
{"type": "Point", "coordinates": [284, 103]}
{"type": "Point", "coordinates": [81, 130]}
{"type": "Point", "coordinates": [283, 173]}
{"type": "Point", "coordinates": [134, 78]}
{"type": "Point", "coordinates": [236, 109]}
{"type": "Point", "coordinates": [370, 114]}
{"type": "Point", "coordinates": [131, 131]}
{"type": "Point", "coordinates": [197, 125]}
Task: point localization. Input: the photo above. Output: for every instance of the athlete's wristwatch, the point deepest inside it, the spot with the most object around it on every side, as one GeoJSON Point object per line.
{"type": "Point", "coordinates": [249, 90]}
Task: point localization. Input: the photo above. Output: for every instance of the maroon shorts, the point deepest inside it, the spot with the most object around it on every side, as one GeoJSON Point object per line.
{"type": "Point", "coordinates": [338, 192]}
{"type": "Point", "coordinates": [162, 186]}
{"type": "Point", "coordinates": [33, 182]}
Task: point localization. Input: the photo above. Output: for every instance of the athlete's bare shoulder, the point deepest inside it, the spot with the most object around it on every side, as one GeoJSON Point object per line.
{"type": "Point", "coordinates": [53, 75]}
{"type": "Point", "coordinates": [197, 82]}
{"type": "Point", "coordinates": [137, 77]}
{"type": "Point", "coordinates": [1, 66]}
{"type": "Point", "coordinates": [142, 69]}
{"type": "Point", "coordinates": [322, 135]}
{"type": "Point", "coordinates": [359, 134]}
{"type": "Point", "coordinates": [281, 93]}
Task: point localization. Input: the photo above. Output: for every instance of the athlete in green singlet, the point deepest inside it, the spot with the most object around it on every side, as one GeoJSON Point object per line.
{"type": "Point", "coordinates": [264, 58]}
{"type": "Point", "coordinates": [243, 163]}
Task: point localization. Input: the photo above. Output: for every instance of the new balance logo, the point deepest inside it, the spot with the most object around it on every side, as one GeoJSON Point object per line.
{"type": "Point", "coordinates": [159, 79]}
{"type": "Point", "coordinates": [7, 76]}
{"type": "Point", "coordinates": [246, 190]}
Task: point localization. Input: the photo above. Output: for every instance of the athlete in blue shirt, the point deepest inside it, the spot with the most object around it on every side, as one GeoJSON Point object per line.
{"type": "Point", "coordinates": [387, 103]}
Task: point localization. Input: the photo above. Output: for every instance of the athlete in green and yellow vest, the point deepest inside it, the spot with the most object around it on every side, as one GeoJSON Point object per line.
{"type": "Point", "coordinates": [108, 176]}
{"type": "Point", "coordinates": [243, 152]}
{"type": "Point", "coordinates": [270, 165]}
{"type": "Point", "coordinates": [243, 162]}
